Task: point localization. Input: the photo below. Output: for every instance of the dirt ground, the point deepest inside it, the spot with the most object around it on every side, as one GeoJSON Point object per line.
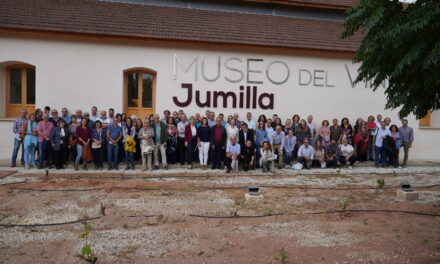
{"type": "Point", "coordinates": [158, 219]}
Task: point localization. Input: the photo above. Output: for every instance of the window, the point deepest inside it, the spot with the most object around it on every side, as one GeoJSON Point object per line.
{"type": "Point", "coordinates": [139, 90]}
{"type": "Point", "coordinates": [431, 120]}
{"type": "Point", "coordinates": [20, 89]}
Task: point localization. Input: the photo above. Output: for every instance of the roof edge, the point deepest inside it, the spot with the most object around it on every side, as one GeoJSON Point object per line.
{"type": "Point", "coordinates": [303, 4]}
{"type": "Point", "coordinates": [157, 40]}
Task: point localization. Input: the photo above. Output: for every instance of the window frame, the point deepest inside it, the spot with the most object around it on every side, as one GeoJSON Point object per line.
{"type": "Point", "coordinates": [139, 111]}
{"type": "Point", "coordinates": [13, 110]}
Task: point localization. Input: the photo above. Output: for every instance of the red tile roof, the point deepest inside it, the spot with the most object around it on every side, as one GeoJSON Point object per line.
{"type": "Point", "coordinates": [345, 3]}
{"type": "Point", "coordinates": [332, 4]}
{"type": "Point", "coordinates": [172, 24]}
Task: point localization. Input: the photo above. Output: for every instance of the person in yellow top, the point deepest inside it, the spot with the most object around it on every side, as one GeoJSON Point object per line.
{"type": "Point", "coordinates": [130, 149]}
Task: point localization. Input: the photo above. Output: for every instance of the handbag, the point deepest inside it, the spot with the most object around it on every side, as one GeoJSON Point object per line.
{"type": "Point", "coordinates": [87, 155]}
{"type": "Point", "coordinates": [72, 141]}
{"type": "Point", "coordinates": [95, 145]}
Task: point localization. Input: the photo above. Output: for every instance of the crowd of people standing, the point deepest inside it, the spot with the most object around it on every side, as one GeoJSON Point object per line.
{"type": "Point", "coordinates": [209, 139]}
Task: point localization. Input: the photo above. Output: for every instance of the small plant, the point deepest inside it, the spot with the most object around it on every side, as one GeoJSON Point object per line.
{"type": "Point", "coordinates": [282, 255]}
{"type": "Point", "coordinates": [86, 251]}
{"type": "Point", "coordinates": [380, 182]}
{"type": "Point", "coordinates": [344, 203]}
{"type": "Point", "coordinates": [234, 211]}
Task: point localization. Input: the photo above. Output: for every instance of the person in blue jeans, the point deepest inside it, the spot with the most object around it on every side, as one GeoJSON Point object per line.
{"type": "Point", "coordinates": [18, 137]}
{"type": "Point", "coordinates": [30, 133]}
{"type": "Point", "coordinates": [260, 137]}
{"type": "Point", "coordinates": [114, 135]}
{"type": "Point", "coordinates": [380, 153]}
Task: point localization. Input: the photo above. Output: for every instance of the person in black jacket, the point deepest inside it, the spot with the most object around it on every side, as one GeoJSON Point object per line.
{"type": "Point", "coordinates": [59, 139]}
{"type": "Point", "coordinates": [218, 143]}
{"type": "Point", "coordinates": [247, 155]}
{"type": "Point", "coordinates": [245, 134]}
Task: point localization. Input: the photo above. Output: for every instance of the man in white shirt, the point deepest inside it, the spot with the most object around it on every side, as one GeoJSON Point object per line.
{"type": "Point", "coordinates": [233, 150]}
{"type": "Point", "coordinates": [181, 139]}
{"type": "Point", "coordinates": [378, 120]}
{"type": "Point", "coordinates": [105, 121]}
{"type": "Point", "coordinates": [269, 129]}
{"type": "Point", "coordinates": [305, 154]}
{"type": "Point", "coordinates": [211, 119]}
{"type": "Point", "coordinates": [251, 123]}
{"type": "Point", "coordinates": [277, 142]}
{"type": "Point", "coordinates": [312, 127]}
{"type": "Point", "coordinates": [347, 153]}
{"type": "Point", "coordinates": [237, 122]}
{"type": "Point", "coordinates": [94, 116]}
{"type": "Point", "coordinates": [380, 153]}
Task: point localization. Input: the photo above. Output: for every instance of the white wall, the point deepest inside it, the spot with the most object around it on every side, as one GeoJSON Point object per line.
{"type": "Point", "coordinates": [80, 72]}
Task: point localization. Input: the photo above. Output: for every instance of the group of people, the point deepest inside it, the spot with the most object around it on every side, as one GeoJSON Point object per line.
{"type": "Point", "coordinates": [220, 142]}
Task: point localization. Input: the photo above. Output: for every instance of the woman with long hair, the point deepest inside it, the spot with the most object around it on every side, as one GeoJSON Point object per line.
{"type": "Point", "coordinates": [347, 131]}
{"type": "Point", "coordinates": [98, 138]}
{"type": "Point", "coordinates": [361, 142]}
{"type": "Point", "coordinates": [260, 137]}
{"type": "Point", "coordinates": [262, 118]}
{"type": "Point", "coordinates": [190, 141]}
{"type": "Point", "coordinates": [303, 132]}
{"type": "Point", "coordinates": [203, 141]}
{"type": "Point", "coordinates": [324, 133]}
{"type": "Point", "coordinates": [397, 137]}
{"type": "Point", "coordinates": [295, 124]}
{"type": "Point", "coordinates": [266, 161]}
{"type": "Point", "coordinates": [129, 131]}
{"type": "Point", "coordinates": [30, 135]}
{"type": "Point", "coordinates": [319, 155]}
{"type": "Point", "coordinates": [83, 134]}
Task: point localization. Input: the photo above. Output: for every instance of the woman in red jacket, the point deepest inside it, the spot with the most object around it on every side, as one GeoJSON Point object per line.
{"type": "Point", "coordinates": [83, 134]}
{"type": "Point", "coordinates": [190, 141]}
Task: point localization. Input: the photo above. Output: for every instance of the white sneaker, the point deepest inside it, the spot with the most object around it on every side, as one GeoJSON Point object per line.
{"type": "Point", "coordinates": [286, 167]}
{"type": "Point", "coordinates": [350, 167]}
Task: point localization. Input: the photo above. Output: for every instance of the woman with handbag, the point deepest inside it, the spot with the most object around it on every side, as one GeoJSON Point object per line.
{"type": "Point", "coordinates": [59, 139]}
{"type": "Point", "coordinates": [30, 133]}
{"type": "Point", "coordinates": [146, 135]}
{"type": "Point", "coordinates": [129, 131]}
{"type": "Point", "coordinates": [83, 134]}
{"type": "Point", "coordinates": [98, 137]}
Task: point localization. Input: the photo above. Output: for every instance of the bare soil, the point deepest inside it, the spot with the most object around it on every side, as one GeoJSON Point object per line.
{"type": "Point", "coordinates": [153, 219]}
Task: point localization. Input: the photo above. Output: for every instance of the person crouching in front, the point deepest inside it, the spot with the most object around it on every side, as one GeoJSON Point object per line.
{"type": "Point", "coordinates": [232, 152]}
{"type": "Point", "coordinates": [306, 154]}
{"type": "Point", "coordinates": [266, 160]}
{"type": "Point", "coordinates": [248, 156]}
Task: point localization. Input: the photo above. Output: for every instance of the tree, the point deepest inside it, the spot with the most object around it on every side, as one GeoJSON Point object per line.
{"type": "Point", "coordinates": [401, 45]}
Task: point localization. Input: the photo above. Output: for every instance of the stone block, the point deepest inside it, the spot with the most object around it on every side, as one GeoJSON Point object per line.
{"type": "Point", "coordinates": [407, 196]}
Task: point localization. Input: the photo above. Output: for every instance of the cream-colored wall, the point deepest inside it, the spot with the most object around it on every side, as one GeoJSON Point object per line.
{"type": "Point", "coordinates": [80, 72]}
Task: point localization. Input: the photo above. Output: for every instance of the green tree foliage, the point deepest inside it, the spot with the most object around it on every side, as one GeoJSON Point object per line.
{"type": "Point", "coordinates": [401, 45]}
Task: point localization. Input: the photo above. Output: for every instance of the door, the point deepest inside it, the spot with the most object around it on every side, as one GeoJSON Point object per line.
{"type": "Point", "coordinates": [140, 88]}
{"type": "Point", "coordinates": [20, 89]}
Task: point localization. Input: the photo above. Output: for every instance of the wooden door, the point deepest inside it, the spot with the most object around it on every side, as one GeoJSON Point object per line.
{"type": "Point", "coordinates": [20, 89]}
{"type": "Point", "coordinates": [140, 93]}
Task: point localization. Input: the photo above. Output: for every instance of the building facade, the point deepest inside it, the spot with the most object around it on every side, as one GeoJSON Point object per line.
{"type": "Point", "coordinates": [144, 56]}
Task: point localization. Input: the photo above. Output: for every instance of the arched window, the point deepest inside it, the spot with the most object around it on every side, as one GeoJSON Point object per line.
{"type": "Point", "coordinates": [139, 92]}
{"type": "Point", "coordinates": [19, 89]}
